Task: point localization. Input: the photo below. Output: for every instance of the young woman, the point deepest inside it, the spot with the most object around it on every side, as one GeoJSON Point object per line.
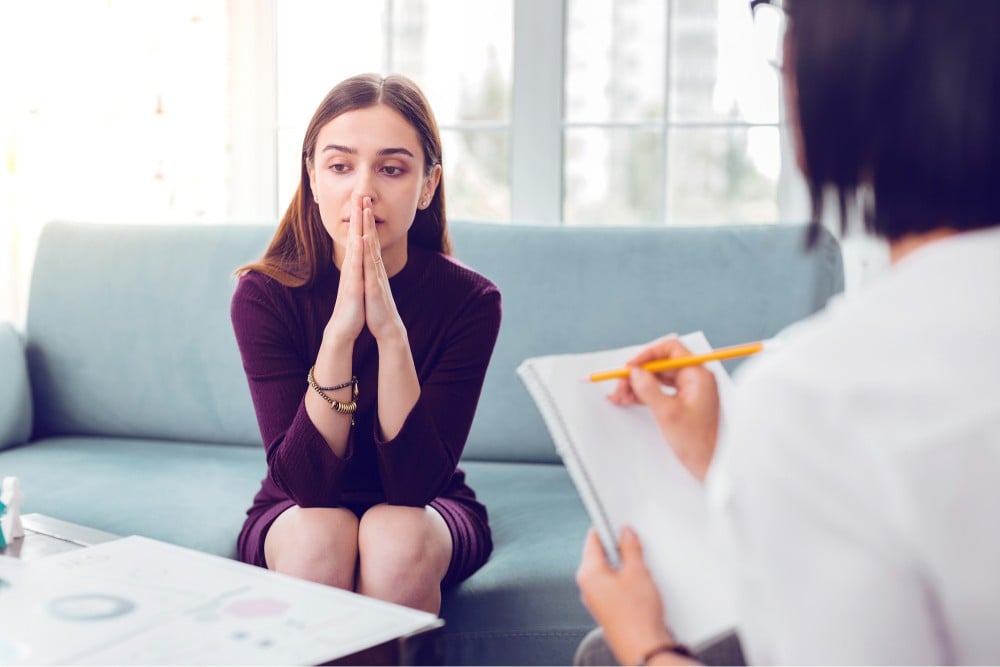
{"type": "Point", "coordinates": [857, 474]}
{"type": "Point", "coordinates": [365, 347]}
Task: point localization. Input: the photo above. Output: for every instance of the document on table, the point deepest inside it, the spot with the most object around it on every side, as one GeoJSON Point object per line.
{"type": "Point", "coordinates": [626, 474]}
{"type": "Point", "coordinates": [139, 601]}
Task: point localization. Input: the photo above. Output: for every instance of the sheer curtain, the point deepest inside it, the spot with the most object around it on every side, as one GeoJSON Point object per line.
{"type": "Point", "coordinates": [112, 111]}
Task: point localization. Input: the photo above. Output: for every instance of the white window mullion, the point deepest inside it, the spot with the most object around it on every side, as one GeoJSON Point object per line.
{"type": "Point", "coordinates": [794, 204]}
{"type": "Point", "coordinates": [537, 114]}
{"type": "Point", "coordinates": [667, 113]}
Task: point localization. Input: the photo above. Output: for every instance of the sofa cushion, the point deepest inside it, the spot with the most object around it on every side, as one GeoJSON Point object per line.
{"type": "Point", "coordinates": [129, 332]}
{"type": "Point", "coordinates": [192, 494]}
{"type": "Point", "coordinates": [523, 606]}
{"type": "Point", "coordinates": [15, 389]}
{"type": "Point", "coordinates": [571, 289]}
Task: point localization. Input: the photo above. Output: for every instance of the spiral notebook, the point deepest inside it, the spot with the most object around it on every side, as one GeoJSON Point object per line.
{"type": "Point", "coordinates": [627, 475]}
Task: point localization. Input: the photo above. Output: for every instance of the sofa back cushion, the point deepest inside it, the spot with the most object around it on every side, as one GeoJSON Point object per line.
{"type": "Point", "coordinates": [128, 331]}
{"type": "Point", "coordinates": [573, 289]}
{"type": "Point", "coordinates": [15, 389]}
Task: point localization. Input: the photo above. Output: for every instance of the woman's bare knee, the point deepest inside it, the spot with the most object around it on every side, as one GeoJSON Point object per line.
{"type": "Point", "coordinates": [404, 554]}
{"type": "Point", "coordinates": [318, 544]}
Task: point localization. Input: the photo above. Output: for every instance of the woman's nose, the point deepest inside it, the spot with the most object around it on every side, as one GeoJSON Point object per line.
{"type": "Point", "coordinates": [364, 186]}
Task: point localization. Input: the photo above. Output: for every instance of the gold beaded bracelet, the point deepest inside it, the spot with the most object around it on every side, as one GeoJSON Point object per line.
{"type": "Point", "coordinates": [338, 406]}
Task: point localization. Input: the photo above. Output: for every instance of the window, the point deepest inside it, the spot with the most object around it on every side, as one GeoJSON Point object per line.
{"type": "Point", "coordinates": [583, 111]}
{"type": "Point", "coordinates": [657, 128]}
{"type": "Point", "coordinates": [459, 52]}
{"type": "Point", "coordinates": [580, 112]}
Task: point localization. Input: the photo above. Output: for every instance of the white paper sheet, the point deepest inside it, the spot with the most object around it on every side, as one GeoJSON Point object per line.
{"type": "Point", "coordinates": [140, 601]}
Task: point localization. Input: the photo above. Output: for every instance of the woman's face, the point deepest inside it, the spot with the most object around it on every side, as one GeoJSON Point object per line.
{"type": "Point", "coordinates": [371, 152]}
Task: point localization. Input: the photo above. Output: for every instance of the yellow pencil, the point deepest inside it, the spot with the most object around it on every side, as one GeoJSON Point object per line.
{"type": "Point", "coordinates": [679, 362]}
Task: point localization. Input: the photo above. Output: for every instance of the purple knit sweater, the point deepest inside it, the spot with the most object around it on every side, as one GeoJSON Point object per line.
{"type": "Point", "coordinates": [452, 318]}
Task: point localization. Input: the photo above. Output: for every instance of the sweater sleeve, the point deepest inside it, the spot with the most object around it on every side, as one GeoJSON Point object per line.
{"type": "Point", "coordinates": [417, 465]}
{"type": "Point", "coordinates": [299, 461]}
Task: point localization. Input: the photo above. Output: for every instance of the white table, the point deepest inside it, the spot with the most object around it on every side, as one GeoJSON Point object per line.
{"type": "Point", "coordinates": [150, 602]}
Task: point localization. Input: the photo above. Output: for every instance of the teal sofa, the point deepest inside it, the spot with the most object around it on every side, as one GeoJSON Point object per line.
{"type": "Point", "coordinates": [123, 405]}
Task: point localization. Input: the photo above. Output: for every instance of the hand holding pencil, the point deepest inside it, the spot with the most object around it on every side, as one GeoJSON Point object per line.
{"type": "Point", "coordinates": [688, 417]}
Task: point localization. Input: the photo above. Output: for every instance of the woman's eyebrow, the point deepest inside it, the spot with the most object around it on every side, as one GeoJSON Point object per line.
{"type": "Point", "coordinates": [394, 151]}
{"type": "Point", "coordinates": [353, 151]}
{"type": "Point", "coordinates": [339, 149]}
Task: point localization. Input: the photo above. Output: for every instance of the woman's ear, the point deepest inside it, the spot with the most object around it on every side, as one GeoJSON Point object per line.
{"type": "Point", "coordinates": [430, 186]}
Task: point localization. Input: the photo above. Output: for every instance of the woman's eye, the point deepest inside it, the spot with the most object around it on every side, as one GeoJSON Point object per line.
{"type": "Point", "coordinates": [389, 170]}
{"type": "Point", "coordinates": [339, 167]}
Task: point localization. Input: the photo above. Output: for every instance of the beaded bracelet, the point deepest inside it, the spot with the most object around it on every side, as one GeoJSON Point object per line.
{"type": "Point", "coordinates": [338, 406]}
{"type": "Point", "coordinates": [353, 382]}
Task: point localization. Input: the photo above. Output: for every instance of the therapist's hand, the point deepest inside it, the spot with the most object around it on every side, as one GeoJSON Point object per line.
{"type": "Point", "coordinates": [688, 414]}
{"type": "Point", "coordinates": [626, 602]}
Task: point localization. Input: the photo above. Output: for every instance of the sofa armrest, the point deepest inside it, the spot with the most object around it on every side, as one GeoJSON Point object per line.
{"type": "Point", "coordinates": [15, 389]}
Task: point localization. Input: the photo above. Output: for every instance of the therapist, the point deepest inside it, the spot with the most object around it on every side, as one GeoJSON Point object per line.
{"type": "Point", "coordinates": [858, 476]}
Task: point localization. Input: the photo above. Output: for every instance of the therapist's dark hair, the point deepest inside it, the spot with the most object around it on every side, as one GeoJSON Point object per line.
{"type": "Point", "coordinates": [901, 97]}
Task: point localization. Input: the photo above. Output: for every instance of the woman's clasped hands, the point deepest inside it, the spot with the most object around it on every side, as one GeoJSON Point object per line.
{"type": "Point", "coordinates": [364, 296]}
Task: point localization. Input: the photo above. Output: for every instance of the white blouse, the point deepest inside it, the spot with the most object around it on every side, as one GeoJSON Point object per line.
{"type": "Point", "coordinates": [857, 481]}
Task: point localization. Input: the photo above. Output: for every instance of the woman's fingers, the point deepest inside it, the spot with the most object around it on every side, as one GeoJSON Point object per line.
{"type": "Point", "coordinates": [368, 218]}
{"type": "Point", "coordinates": [373, 250]}
{"type": "Point", "coordinates": [348, 316]}
{"type": "Point", "coordinates": [380, 309]}
{"type": "Point", "coordinates": [369, 230]}
{"type": "Point", "coordinates": [353, 270]}
{"type": "Point", "coordinates": [356, 225]}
